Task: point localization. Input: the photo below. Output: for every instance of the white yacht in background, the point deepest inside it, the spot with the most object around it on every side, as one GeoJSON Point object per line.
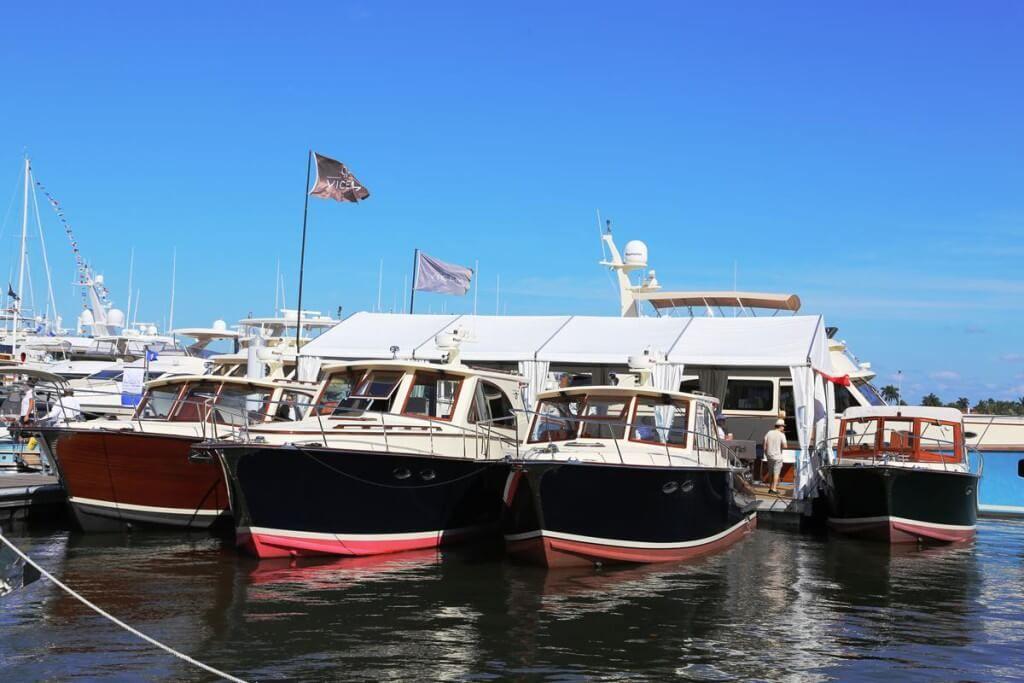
{"type": "Point", "coordinates": [752, 400]}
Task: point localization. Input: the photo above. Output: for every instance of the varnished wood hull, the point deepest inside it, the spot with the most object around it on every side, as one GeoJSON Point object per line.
{"type": "Point", "coordinates": [119, 479]}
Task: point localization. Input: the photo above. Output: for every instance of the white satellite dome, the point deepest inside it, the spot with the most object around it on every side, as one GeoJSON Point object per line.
{"type": "Point", "coordinates": [220, 325]}
{"type": "Point", "coordinates": [99, 279]}
{"type": "Point", "coordinates": [151, 330]}
{"type": "Point", "coordinates": [635, 253]}
{"type": "Point", "coordinates": [85, 318]}
{"type": "Point", "coordinates": [115, 317]}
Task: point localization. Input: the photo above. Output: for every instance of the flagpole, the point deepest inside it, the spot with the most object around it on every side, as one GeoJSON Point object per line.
{"type": "Point", "coordinates": [476, 284]}
{"type": "Point", "coordinates": [415, 267]}
{"type": "Point", "coordinates": [302, 253]}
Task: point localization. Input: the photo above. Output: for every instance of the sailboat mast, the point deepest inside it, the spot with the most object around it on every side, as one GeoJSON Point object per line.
{"type": "Point", "coordinates": [174, 271]}
{"type": "Point", "coordinates": [21, 263]}
{"type": "Point", "coordinates": [131, 273]}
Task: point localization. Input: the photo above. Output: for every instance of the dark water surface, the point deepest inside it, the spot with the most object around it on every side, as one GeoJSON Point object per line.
{"type": "Point", "coordinates": [776, 606]}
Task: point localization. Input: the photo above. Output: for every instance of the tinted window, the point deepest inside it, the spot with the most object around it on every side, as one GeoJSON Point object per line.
{"type": "Point", "coordinates": [749, 394]}
{"type": "Point", "coordinates": [845, 399]}
{"type": "Point", "coordinates": [373, 393]}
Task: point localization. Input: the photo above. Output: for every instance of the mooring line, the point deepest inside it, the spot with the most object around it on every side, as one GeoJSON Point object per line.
{"type": "Point", "coordinates": [111, 617]}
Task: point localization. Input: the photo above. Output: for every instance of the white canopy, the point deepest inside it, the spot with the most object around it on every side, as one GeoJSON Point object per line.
{"type": "Point", "coordinates": [582, 340]}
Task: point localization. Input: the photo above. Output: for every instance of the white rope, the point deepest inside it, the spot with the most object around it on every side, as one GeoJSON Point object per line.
{"type": "Point", "coordinates": [101, 612]}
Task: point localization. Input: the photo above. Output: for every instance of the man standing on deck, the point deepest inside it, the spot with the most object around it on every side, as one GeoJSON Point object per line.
{"type": "Point", "coordinates": [774, 444]}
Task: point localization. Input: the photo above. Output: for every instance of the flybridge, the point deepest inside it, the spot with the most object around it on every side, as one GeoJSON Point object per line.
{"type": "Point", "coordinates": [633, 295]}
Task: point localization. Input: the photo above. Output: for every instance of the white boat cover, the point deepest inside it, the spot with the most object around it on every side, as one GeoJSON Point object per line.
{"type": "Point", "coordinates": [582, 340]}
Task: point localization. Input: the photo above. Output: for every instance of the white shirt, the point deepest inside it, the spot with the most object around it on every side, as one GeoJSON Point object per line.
{"type": "Point", "coordinates": [66, 409]}
{"type": "Point", "coordinates": [774, 442]}
{"type": "Point", "coordinates": [27, 400]}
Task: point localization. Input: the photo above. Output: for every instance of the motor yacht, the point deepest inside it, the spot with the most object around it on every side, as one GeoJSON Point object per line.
{"type": "Point", "coordinates": [903, 475]}
{"type": "Point", "coordinates": [633, 474]}
{"type": "Point", "coordinates": [120, 473]}
{"type": "Point", "coordinates": [396, 455]}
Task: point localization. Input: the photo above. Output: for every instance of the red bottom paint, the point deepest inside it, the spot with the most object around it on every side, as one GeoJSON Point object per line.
{"type": "Point", "coordinates": [900, 531]}
{"type": "Point", "coordinates": [267, 545]}
{"type": "Point", "coordinates": [558, 552]}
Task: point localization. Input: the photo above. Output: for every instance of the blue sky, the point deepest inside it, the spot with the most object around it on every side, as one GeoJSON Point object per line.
{"type": "Point", "coordinates": [868, 158]}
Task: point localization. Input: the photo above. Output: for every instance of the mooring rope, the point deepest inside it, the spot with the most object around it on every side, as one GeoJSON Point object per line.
{"type": "Point", "coordinates": [102, 612]}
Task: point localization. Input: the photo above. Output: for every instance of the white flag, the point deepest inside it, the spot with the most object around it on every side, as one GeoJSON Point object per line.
{"type": "Point", "coordinates": [433, 275]}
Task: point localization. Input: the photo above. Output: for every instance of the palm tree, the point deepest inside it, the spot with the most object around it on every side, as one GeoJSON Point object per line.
{"type": "Point", "coordinates": [891, 394]}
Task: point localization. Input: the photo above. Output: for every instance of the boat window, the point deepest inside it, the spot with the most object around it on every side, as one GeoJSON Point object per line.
{"type": "Point", "coordinates": [869, 392]}
{"type": "Point", "coordinates": [107, 375]}
{"type": "Point", "coordinates": [239, 405]}
{"type": "Point", "coordinates": [659, 422]}
{"type": "Point", "coordinates": [291, 406]}
{"type": "Point", "coordinates": [338, 388]}
{"type": "Point", "coordinates": [432, 395]}
{"type": "Point", "coordinates": [157, 403]}
{"type": "Point", "coordinates": [373, 393]}
{"type": "Point", "coordinates": [750, 394]}
{"type": "Point", "coordinates": [195, 402]}
{"type": "Point", "coordinates": [491, 406]}
{"type": "Point", "coordinates": [942, 440]}
{"type": "Point", "coordinates": [604, 417]}
{"type": "Point", "coordinates": [787, 406]}
{"type": "Point", "coordinates": [845, 399]}
{"type": "Point", "coordinates": [860, 438]}
{"type": "Point", "coordinates": [689, 385]}
{"type": "Point", "coordinates": [556, 420]}
{"type": "Point", "coordinates": [897, 436]}
{"type": "Point", "coordinates": [706, 432]}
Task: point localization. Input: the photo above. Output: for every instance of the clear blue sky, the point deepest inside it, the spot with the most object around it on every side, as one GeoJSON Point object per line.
{"type": "Point", "coordinates": [868, 158]}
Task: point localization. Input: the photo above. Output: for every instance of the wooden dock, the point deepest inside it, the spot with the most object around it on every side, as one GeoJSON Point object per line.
{"type": "Point", "coordinates": [25, 494]}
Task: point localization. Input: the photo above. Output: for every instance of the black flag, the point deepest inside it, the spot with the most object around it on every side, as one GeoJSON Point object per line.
{"type": "Point", "coordinates": [11, 293]}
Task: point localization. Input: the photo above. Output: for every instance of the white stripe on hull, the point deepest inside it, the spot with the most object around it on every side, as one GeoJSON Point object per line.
{"type": "Point", "coordinates": [627, 544]}
{"type": "Point", "coordinates": [145, 508]}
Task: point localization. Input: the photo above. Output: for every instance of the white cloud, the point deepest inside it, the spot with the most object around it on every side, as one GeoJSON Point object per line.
{"type": "Point", "coordinates": [945, 375]}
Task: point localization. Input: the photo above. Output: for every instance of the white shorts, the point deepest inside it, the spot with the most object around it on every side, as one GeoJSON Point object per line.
{"type": "Point", "coordinates": [776, 466]}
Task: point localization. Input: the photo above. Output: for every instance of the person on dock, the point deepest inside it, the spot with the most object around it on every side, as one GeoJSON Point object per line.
{"type": "Point", "coordinates": [28, 404]}
{"type": "Point", "coordinates": [64, 409]}
{"type": "Point", "coordinates": [774, 444]}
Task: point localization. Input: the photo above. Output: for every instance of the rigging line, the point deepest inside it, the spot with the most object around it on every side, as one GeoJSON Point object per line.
{"type": "Point", "coordinates": [42, 247]}
{"type": "Point", "coordinates": [103, 613]}
{"type": "Point", "coordinates": [10, 205]}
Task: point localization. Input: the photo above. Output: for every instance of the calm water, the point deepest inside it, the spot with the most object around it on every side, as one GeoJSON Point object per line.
{"type": "Point", "coordinates": [776, 606]}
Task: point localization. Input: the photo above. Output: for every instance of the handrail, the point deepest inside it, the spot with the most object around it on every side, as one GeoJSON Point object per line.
{"type": "Point", "coordinates": [886, 456]}
{"type": "Point", "coordinates": [724, 450]}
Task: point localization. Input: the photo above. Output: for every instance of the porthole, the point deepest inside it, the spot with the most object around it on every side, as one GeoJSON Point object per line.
{"type": "Point", "coordinates": [669, 487]}
{"type": "Point", "coordinates": [428, 475]}
{"type": "Point", "coordinates": [402, 473]}
{"type": "Point", "coordinates": [687, 486]}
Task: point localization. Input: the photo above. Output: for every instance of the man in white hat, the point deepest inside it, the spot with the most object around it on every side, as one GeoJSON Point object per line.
{"type": "Point", "coordinates": [774, 444]}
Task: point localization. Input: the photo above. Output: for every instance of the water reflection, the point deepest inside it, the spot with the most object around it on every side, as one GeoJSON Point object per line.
{"type": "Point", "coordinates": [775, 606]}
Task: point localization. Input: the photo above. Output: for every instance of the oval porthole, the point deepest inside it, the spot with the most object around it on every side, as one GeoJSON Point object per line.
{"type": "Point", "coordinates": [686, 487]}
{"type": "Point", "coordinates": [969, 491]}
{"type": "Point", "coordinates": [428, 475]}
{"type": "Point", "coordinates": [669, 487]}
{"type": "Point", "coordinates": [402, 473]}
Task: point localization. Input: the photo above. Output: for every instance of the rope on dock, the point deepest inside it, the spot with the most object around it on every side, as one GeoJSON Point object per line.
{"type": "Point", "coordinates": [101, 612]}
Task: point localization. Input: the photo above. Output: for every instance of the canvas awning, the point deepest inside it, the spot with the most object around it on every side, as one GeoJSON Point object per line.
{"type": "Point", "coordinates": [582, 340]}
{"type": "Point", "coordinates": [665, 300]}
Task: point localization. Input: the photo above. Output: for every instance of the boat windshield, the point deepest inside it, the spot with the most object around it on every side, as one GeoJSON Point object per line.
{"type": "Point", "coordinates": [556, 420]}
{"type": "Point", "coordinates": [432, 395]}
{"type": "Point", "coordinates": [157, 403]}
{"type": "Point", "coordinates": [659, 422]}
{"type": "Point", "coordinates": [374, 393]}
{"type": "Point", "coordinates": [604, 417]}
{"type": "Point", "coordinates": [239, 405]}
{"type": "Point", "coordinates": [901, 439]}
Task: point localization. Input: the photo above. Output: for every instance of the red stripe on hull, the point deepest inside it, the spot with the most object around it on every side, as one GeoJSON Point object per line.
{"type": "Point", "coordinates": [268, 545]}
{"type": "Point", "coordinates": [558, 552]}
{"type": "Point", "coordinates": [896, 532]}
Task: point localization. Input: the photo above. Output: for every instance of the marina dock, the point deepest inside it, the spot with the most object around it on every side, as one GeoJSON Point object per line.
{"type": "Point", "coordinates": [29, 494]}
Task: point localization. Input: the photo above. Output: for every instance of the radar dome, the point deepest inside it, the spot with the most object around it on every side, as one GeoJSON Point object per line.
{"type": "Point", "coordinates": [220, 325]}
{"type": "Point", "coordinates": [151, 330]}
{"type": "Point", "coordinates": [635, 253]}
{"type": "Point", "coordinates": [85, 318]}
{"type": "Point", "coordinates": [99, 279]}
{"type": "Point", "coordinates": [115, 317]}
